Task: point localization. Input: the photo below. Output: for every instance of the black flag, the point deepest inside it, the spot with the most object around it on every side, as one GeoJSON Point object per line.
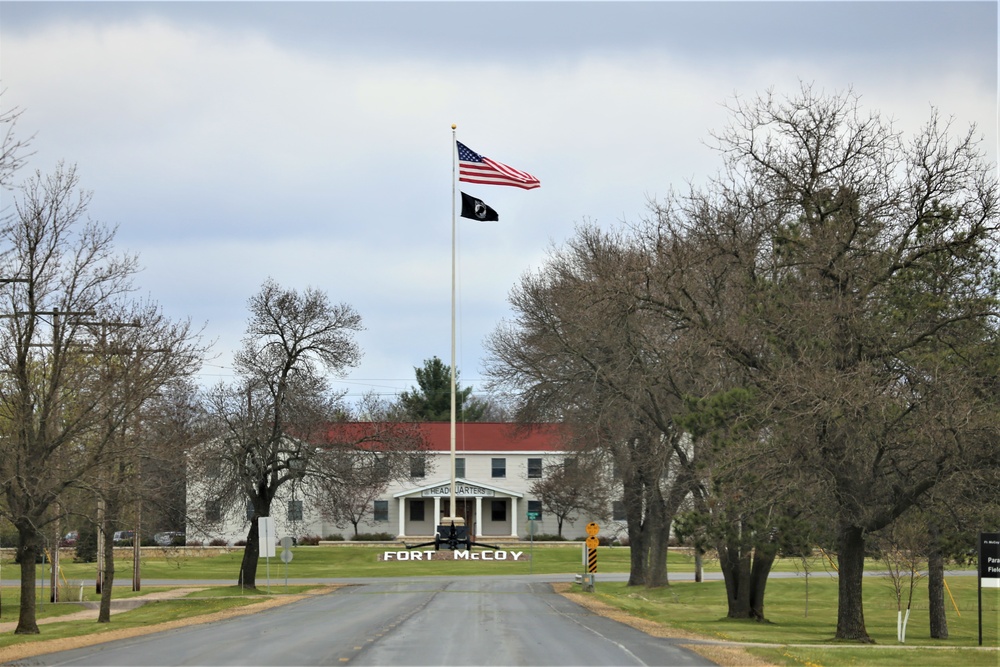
{"type": "Point", "coordinates": [476, 209]}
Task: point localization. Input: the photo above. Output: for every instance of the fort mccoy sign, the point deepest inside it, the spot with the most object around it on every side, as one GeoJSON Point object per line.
{"type": "Point", "coordinates": [457, 554]}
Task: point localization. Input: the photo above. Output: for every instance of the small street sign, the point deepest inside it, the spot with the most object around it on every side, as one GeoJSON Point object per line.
{"type": "Point", "coordinates": [592, 542]}
{"type": "Point", "coordinates": [534, 515]}
{"type": "Point", "coordinates": [593, 528]}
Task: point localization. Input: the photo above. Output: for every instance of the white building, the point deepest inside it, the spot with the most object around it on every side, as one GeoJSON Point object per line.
{"type": "Point", "coordinates": [495, 468]}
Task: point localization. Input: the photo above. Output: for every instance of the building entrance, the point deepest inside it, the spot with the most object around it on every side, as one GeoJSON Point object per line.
{"type": "Point", "coordinates": [465, 507]}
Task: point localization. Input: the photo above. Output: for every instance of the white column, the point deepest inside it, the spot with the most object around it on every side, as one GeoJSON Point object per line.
{"type": "Point", "coordinates": [479, 516]}
{"type": "Point", "coordinates": [513, 516]}
{"type": "Point", "coordinates": [402, 516]}
{"type": "Point", "coordinates": [437, 512]}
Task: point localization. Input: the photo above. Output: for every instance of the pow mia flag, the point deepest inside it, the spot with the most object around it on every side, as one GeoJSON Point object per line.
{"type": "Point", "coordinates": [476, 209]}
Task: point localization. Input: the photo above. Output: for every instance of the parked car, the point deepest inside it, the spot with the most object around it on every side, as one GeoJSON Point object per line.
{"type": "Point", "coordinates": [70, 539]}
{"type": "Point", "coordinates": [124, 537]}
{"type": "Point", "coordinates": [169, 538]}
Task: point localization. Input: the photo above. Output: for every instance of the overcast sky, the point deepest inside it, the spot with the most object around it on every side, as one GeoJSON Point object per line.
{"type": "Point", "coordinates": [311, 142]}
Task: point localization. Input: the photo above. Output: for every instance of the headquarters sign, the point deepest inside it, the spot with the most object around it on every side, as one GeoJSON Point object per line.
{"type": "Point", "coordinates": [460, 490]}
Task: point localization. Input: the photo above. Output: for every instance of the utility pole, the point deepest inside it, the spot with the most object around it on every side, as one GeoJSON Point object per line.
{"type": "Point", "coordinates": [102, 537]}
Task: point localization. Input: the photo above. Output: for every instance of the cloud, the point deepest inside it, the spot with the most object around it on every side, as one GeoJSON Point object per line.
{"type": "Point", "coordinates": [311, 142]}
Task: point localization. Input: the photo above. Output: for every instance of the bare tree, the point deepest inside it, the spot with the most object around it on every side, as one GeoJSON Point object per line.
{"type": "Point", "coordinates": [360, 456]}
{"type": "Point", "coordinates": [574, 487]}
{"type": "Point", "coordinates": [585, 348]}
{"type": "Point", "coordinates": [65, 394]}
{"type": "Point", "coordinates": [12, 148]}
{"type": "Point", "coordinates": [270, 421]}
{"type": "Point", "coordinates": [851, 276]}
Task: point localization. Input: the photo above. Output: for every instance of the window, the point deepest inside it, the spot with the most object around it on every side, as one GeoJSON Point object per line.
{"type": "Point", "coordinates": [535, 506]}
{"type": "Point", "coordinates": [250, 511]}
{"type": "Point", "coordinates": [213, 510]}
{"type": "Point", "coordinates": [381, 510]}
{"type": "Point", "coordinates": [534, 468]}
{"type": "Point", "coordinates": [416, 466]}
{"type": "Point", "coordinates": [295, 510]}
{"type": "Point", "coordinates": [498, 509]}
{"type": "Point", "coordinates": [618, 511]}
{"type": "Point", "coordinates": [416, 510]}
{"type": "Point", "coordinates": [213, 468]}
{"type": "Point", "coordinates": [499, 468]}
{"type": "Point", "coordinates": [570, 466]}
{"type": "Point", "coordinates": [459, 466]}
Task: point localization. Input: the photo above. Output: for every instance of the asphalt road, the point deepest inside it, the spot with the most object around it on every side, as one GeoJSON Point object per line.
{"type": "Point", "coordinates": [425, 621]}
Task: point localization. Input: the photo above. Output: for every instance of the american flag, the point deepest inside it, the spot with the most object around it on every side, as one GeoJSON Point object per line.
{"type": "Point", "coordinates": [474, 168]}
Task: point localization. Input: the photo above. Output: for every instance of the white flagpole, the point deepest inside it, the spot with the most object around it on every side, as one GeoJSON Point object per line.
{"type": "Point", "coordinates": [452, 508]}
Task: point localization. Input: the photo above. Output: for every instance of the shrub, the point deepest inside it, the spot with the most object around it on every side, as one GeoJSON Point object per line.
{"type": "Point", "coordinates": [240, 543]}
{"type": "Point", "coordinates": [374, 537]}
{"type": "Point", "coordinates": [219, 542]}
{"type": "Point", "coordinates": [86, 545]}
{"type": "Point", "coordinates": [546, 537]}
{"type": "Point", "coordinates": [334, 538]}
{"type": "Point", "coordinates": [309, 540]}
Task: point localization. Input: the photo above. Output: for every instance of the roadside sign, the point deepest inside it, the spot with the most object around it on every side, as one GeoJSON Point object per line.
{"type": "Point", "coordinates": [989, 559]}
{"type": "Point", "coordinates": [592, 542]}
{"type": "Point", "coordinates": [286, 557]}
{"type": "Point", "coordinates": [534, 516]}
{"type": "Point", "coordinates": [265, 537]}
{"type": "Point", "coordinates": [593, 528]}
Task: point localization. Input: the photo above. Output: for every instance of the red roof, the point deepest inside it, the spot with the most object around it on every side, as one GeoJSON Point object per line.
{"type": "Point", "coordinates": [493, 436]}
{"type": "Point", "coordinates": [469, 436]}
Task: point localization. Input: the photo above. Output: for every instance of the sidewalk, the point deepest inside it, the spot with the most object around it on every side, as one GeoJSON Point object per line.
{"type": "Point", "coordinates": [91, 610]}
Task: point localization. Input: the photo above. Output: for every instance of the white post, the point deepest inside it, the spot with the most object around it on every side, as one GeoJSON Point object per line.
{"type": "Point", "coordinates": [513, 516]}
{"type": "Point", "coordinates": [453, 181]}
{"type": "Point", "coordinates": [402, 516]}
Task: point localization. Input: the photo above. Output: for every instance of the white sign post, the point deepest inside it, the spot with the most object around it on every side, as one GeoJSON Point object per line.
{"type": "Point", "coordinates": [286, 556]}
{"type": "Point", "coordinates": [265, 543]}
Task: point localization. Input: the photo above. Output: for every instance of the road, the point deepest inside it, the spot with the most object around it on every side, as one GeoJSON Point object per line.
{"type": "Point", "coordinates": [420, 621]}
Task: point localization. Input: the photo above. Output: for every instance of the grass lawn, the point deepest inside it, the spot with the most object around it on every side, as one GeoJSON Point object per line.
{"type": "Point", "coordinates": [800, 627]}
{"type": "Point", "coordinates": [144, 616]}
{"type": "Point", "coordinates": [794, 620]}
{"type": "Point", "coordinates": [356, 561]}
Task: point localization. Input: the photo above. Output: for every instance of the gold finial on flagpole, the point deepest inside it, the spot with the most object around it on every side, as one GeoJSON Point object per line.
{"type": "Point", "coordinates": [453, 126]}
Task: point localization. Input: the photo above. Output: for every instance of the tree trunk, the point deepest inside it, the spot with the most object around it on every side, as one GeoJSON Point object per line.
{"type": "Point", "coordinates": [736, 566]}
{"type": "Point", "coordinates": [108, 583]}
{"type": "Point", "coordinates": [658, 526]}
{"type": "Point", "coordinates": [763, 559]}
{"type": "Point", "coordinates": [28, 546]}
{"type": "Point", "coordinates": [251, 553]}
{"type": "Point", "coordinates": [851, 569]}
{"type": "Point", "coordinates": [935, 593]}
{"type": "Point", "coordinates": [637, 534]}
